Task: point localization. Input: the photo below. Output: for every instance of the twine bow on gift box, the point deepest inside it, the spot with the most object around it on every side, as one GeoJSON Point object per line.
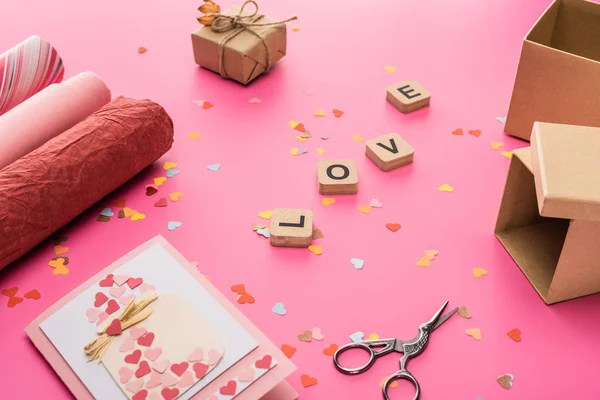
{"type": "Point", "coordinates": [233, 25]}
{"type": "Point", "coordinates": [134, 313]}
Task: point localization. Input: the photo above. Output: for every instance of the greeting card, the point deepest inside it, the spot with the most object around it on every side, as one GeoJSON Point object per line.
{"type": "Point", "coordinates": [150, 327]}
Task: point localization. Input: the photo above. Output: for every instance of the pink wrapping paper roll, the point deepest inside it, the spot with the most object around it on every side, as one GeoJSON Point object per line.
{"type": "Point", "coordinates": [49, 113]}
{"type": "Point", "coordinates": [26, 69]}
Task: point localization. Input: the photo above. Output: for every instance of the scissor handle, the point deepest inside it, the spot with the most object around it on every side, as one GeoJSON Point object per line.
{"type": "Point", "coordinates": [401, 375]}
{"type": "Point", "coordinates": [371, 347]}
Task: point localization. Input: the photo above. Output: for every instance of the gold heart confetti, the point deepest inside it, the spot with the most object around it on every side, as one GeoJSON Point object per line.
{"type": "Point", "coordinates": [327, 201]}
{"type": "Point", "coordinates": [507, 154]}
{"type": "Point", "coordinates": [160, 180]}
{"type": "Point", "coordinates": [175, 196]}
{"type": "Point", "coordinates": [497, 145]}
{"type": "Point", "coordinates": [479, 272]}
{"type": "Point", "coordinates": [373, 336]}
{"type": "Point", "coordinates": [390, 69]}
{"type": "Point", "coordinates": [300, 138]}
{"type": "Point", "coordinates": [474, 333]}
{"type": "Point", "coordinates": [365, 209]}
{"type": "Point", "coordinates": [293, 124]}
{"type": "Point", "coordinates": [295, 28]}
{"type": "Point", "coordinates": [315, 249]}
{"type": "Point", "coordinates": [463, 312]}
{"type": "Point", "coordinates": [424, 262]}
{"type": "Point", "coordinates": [265, 214]}
{"type": "Point", "coordinates": [431, 254]}
{"type": "Point", "coordinates": [137, 216]}
{"type": "Point", "coordinates": [320, 151]}
{"type": "Point", "coordinates": [320, 113]}
{"type": "Point", "coordinates": [446, 188]}
{"type": "Point", "coordinates": [169, 165]}
{"type": "Point", "coordinates": [357, 138]}
{"type": "Point", "coordinates": [194, 135]}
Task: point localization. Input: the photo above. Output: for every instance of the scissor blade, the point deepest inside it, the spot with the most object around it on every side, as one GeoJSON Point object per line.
{"type": "Point", "coordinates": [444, 318]}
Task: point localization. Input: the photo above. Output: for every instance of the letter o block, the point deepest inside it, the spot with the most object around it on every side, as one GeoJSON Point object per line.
{"type": "Point", "coordinates": [408, 96]}
{"type": "Point", "coordinates": [291, 228]}
{"type": "Point", "coordinates": [337, 177]}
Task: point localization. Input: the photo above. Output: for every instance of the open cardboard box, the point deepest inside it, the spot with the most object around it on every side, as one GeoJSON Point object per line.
{"type": "Point", "coordinates": [558, 78]}
{"type": "Point", "coordinates": [549, 218]}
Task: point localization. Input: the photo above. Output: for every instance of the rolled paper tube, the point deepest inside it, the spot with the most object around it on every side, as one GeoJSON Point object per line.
{"type": "Point", "coordinates": [49, 113]}
{"type": "Point", "coordinates": [50, 186]}
{"type": "Point", "coordinates": [26, 69]}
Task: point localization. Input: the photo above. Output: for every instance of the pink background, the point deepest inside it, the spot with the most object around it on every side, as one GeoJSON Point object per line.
{"type": "Point", "coordinates": [465, 52]}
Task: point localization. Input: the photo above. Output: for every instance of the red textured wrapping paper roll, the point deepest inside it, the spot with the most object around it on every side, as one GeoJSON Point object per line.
{"type": "Point", "coordinates": [50, 186]}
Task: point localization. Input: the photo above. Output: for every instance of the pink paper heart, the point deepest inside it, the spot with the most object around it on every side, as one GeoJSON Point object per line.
{"type": "Point", "coordinates": [161, 365]}
{"type": "Point", "coordinates": [127, 345]}
{"type": "Point", "coordinates": [197, 355]}
{"type": "Point", "coordinates": [92, 314]}
{"type": "Point", "coordinates": [126, 299]}
{"type": "Point", "coordinates": [254, 100]}
{"type": "Point", "coordinates": [137, 332]}
{"type": "Point", "coordinates": [246, 375]}
{"type": "Point", "coordinates": [120, 279]}
{"type": "Point", "coordinates": [156, 396]}
{"type": "Point", "coordinates": [102, 317]}
{"type": "Point", "coordinates": [154, 380]}
{"type": "Point", "coordinates": [144, 287]}
{"type": "Point", "coordinates": [376, 203]}
{"type": "Point", "coordinates": [168, 379]}
{"type": "Point", "coordinates": [134, 386]}
{"type": "Point", "coordinates": [125, 374]}
{"type": "Point", "coordinates": [117, 291]}
{"type": "Point", "coordinates": [214, 357]}
{"type": "Point", "coordinates": [187, 379]}
{"type": "Point", "coordinates": [316, 334]}
{"type": "Point", "coordinates": [153, 354]}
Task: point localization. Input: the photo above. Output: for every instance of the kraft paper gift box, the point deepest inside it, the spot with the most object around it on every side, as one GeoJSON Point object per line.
{"type": "Point", "coordinates": [549, 219]}
{"type": "Point", "coordinates": [245, 56]}
{"type": "Point", "coordinates": [558, 78]}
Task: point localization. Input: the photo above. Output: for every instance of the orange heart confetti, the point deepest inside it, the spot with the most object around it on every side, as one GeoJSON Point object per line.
{"type": "Point", "coordinates": [300, 128]}
{"type": "Point", "coordinates": [315, 249]}
{"type": "Point", "coordinates": [239, 289]}
{"type": "Point", "coordinates": [497, 145]}
{"type": "Point", "coordinates": [474, 333]}
{"type": "Point", "coordinates": [288, 350]}
{"type": "Point", "coordinates": [59, 266]}
{"type": "Point", "coordinates": [265, 214]}
{"type": "Point", "coordinates": [33, 295]}
{"type": "Point", "coordinates": [327, 201]}
{"type": "Point", "coordinates": [308, 381]}
{"type": "Point", "coordinates": [514, 334]}
{"type": "Point", "coordinates": [330, 351]}
{"type": "Point", "coordinates": [194, 135]}
{"type": "Point", "coordinates": [463, 312]}
{"type": "Point", "coordinates": [365, 209]}
{"type": "Point", "coordinates": [475, 132]}
{"type": "Point", "coordinates": [175, 196]}
{"type": "Point", "coordinates": [142, 50]}
{"type": "Point", "coordinates": [206, 105]}
{"type": "Point", "coordinates": [169, 165]}
{"type": "Point", "coordinates": [507, 154]}
{"type": "Point", "coordinates": [390, 69]}
{"type": "Point", "coordinates": [392, 385]}
{"type": "Point", "coordinates": [11, 292]}
{"type": "Point", "coordinates": [479, 272]}
{"type": "Point", "coordinates": [60, 249]}
{"type": "Point", "coordinates": [337, 113]}
{"type": "Point", "coordinates": [160, 180]}
{"type": "Point", "coordinates": [357, 138]}
{"type": "Point", "coordinates": [457, 132]}
{"type": "Point", "coordinates": [431, 254]}
{"type": "Point", "coordinates": [13, 301]}
{"type": "Point", "coordinates": [295, 28]}
{"type": "Point", "coordinates": [424, 262]}
{"type": "Point", "coordinates": [446, 188]}
{"type": "Point", "coordinates": [320, 113]}
{"type": "Point", "coordinates": [393, 227]}
{"type": "Point", "coordinates": [245, 298]}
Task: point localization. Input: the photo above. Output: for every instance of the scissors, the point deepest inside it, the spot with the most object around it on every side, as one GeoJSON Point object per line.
{"type": "Point", "coordinates": [410, 348]}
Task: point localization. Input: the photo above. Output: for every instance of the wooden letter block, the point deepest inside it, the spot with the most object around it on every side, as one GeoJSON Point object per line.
{"type": "Point", "coordinates": [408, 96]}
{"type": "Point", "coordinates": [291, 227]}
{"type": "Point", "coordinates": [389, 152]}
{"type": "Point", "coordinates": [337, 177]}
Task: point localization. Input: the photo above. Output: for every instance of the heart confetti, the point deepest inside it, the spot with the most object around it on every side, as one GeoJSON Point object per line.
{"type": "Point", "coordinates": [390, 69]}
{"type": "Point", "coordinates": [315, 249]}
{"type": "Point", "coordinates": [308, 381]}
{"type": "Point", "coordinates": [506, 381]}
{"type": "Point", "coordinates": [239, 289]}
{"type": "Point", "coordinates": [279, 309]}
{"type": "Point", "coordinates": [32, 295]}
{"type": "Point", "coordinates": [446, 188]}
{"type": "Point", "coordinates": [265, 214]}
{"type": "Point", "coordinates": [11, 292]}
{"type": "Point", "coordinates": [295, 28]}
{"type": "Point", "coordinates": [514, 334]}
{"type": "Point", "coordinates": [497, 145]}
{"type": "Point", "coordinates": [463, 312]}
{"type": "Point", "coordinates": [265, 232]}
{"type": "Point", "coordinates": [501, 119]}
{"type": "Point", "coordinates": [214, 167]}
{"type": "Point", "coordinates": [357, 336]}
{"type": "Point", "coordinates": [327, 201]}
{"type": "Point", "coordinates": [507, 154]}
{"type": "Point", "coordinates": [175, 196]}
{"type": "Point", "coordinates": [204, 104]}
{"type": "Point", "coordinates": [142, 50]}
{"type": "Point", "coordinates": [107, 212]}
{"type": "Point", "coordinates": [58, 249]}
{"type": "Point", "coordinates": [288, 350]}
{"type": "Point", "coordinates": [337, 113]}
{"type": "Point", "coordinates": [373, 336]}
{"type": "Point", "coordinates": [357, 138]}
{"type": "Point", "coordinates": [172, 172]}
{"type": "Point", "coordinates": [245, 299]}
{"type": "Point", "coordinates": [257, 225]}
{"type": "Point", "coordinates": [172, 225]}
{"type": "Point", "coordinates": [357, 262]}
{"type": "Point", "coordinates": [169, 165]}
{"type": "Point", "coordinates": [194, 136]}
{"type": "Point", "coordinates": [320, 151]}
{"type": "Point", "coordinates": [159, 180]}
{"type": "Point", "coordinates": [392, 226]}
{"type": "Point", "coordinates": [365, 209]}
{"type": "Point", "coordinates": [305, 336]}
{"type": "Point", "coordinates": [330, 351]}
{"type": "Point", "coordinates": [162, 202]}
{"type": "Point", "coordinates": [324, 137]}
{"type": "Point", "coordinates": [317, 334]}
{"type": "Point", "coordinates": [254, 100]}
{"type": "Point", "coordinates": [392, 385]}
{"type": "Point", "coordinates": [424, 262]}
{"type": "Point", "coordinates": [376, 203]}
{"type": "Point", "coordinates": [479, 272]}
{"type": "Point", "coordinates": [475, 132]}
{"type": "Point", "coordinates": [457, 132]}
{"type": "Point", "coordinates": [474, 333]}
{"type": "Point", "coordinates": [59, 266]}
{"type": "Point", "coordinates": [319, 113]}
{"type": "Point", "coordinates": [431, 254]}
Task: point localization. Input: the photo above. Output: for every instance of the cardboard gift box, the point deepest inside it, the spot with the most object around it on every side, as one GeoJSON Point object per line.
{"type": "Point", "coordinates": [549, 218]}
{"type": "Point", "coordinates": [241, 54]}
{"type": "Point", "coordinates": [558, 78]}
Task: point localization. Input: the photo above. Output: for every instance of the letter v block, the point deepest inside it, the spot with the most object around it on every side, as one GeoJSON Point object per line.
{"type": "Point", "coordinates": [291, 227]}
{"type": "Point", "coordinates": [389, 152]}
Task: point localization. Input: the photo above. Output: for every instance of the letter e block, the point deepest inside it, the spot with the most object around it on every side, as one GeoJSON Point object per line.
{"type": "Point", "coordinates": [389, 152]}
{"type": "Point", "coordinates": [337, 177]}
{"type": "Point", "coordinates": [291, 227]}
{"type": "Point", "coordinates": [408, 96]}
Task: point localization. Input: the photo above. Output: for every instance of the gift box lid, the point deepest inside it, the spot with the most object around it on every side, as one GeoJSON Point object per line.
{"type": "Point", "coordinates": [566, 167]}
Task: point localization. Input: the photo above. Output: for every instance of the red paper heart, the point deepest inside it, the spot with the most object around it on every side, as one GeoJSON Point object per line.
{"type": "Point", "coordinates": [134, 357]}
{"type": "Point", "coordinates": [229, 389]}
{"type": "Point", "coordinates": [114, 328]}
{"type": "Point", "coordinates": [162, 202]}
{"type": "Point", "coordinates": [112, 306]}
{"type": "Point", "coordinates": [134, 282]}
{"type": "Point", "coordinates": [101, 298]}
{"type": "Point", "coordinates": [239, 289]}
{"type": "Point", "coordinates": [108, 281]}
{"type": "Point", "coordinates": [180, 368]}
{"type": "Point", "coordinates": [146, 340]}
{"type": "Point", "coordinates": [245, 298]}
{"type": "Point", "coordinates": [10, 292]}
{"type": "Point", "coordinates": [264, 363]}
{"type": "Point", "coordinates": [13, 301]}
{"type": "Point", "coordinates": [169, 394]}
{"type": "Point", "coordinates": [151, 190]}
{"type": "Point", "coordinates": [143, 370]}
{"type": "Point", "coordinates": [200, 369]}
{"type": "Point", "coordinates": [33, 295]}
{"type": "Point", "coordinates": [141, 395]}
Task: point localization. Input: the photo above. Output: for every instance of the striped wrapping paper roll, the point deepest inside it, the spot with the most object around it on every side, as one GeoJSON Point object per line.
{"type": "Point", "coordinates": [26, 69]}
